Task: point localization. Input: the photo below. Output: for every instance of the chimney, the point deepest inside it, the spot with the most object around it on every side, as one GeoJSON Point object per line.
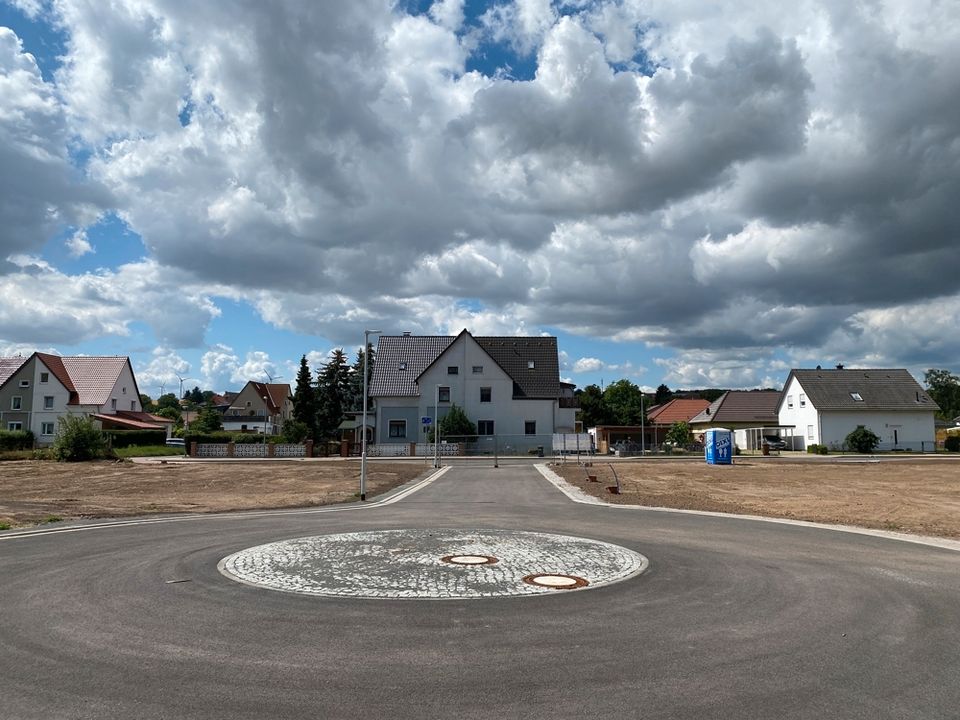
{"type": "Point", "coordinates": [839, 366]}
{"type": "Point", "coordinates": [406, 333]}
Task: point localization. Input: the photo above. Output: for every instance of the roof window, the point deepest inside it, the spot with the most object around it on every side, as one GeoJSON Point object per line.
{"type": "Point", "coordinates": [856, 396]}
{"type": "Point", "coordinates": [531, 364]}
{"type": "Point", "coordinates": [401, 366]}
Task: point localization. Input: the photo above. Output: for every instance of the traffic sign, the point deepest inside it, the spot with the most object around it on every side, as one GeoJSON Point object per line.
{"type": "Point", "coordinates": [426, 420]}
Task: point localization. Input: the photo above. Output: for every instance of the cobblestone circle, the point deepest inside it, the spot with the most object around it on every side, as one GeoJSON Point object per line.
{"type": "Point", "coordinates": [409, 564]}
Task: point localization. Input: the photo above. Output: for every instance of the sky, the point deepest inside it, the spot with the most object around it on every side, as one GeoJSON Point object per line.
{"type": "Point", "coordinates": [693, 193]}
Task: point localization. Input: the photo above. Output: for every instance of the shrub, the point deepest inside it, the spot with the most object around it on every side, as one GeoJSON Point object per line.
{"type": "Point", "coordinates": [862, 440]}
{"type": "Point", "coordinates": [822, 449]}
{"type": "Point", "coordinates": [16, 440]}
{"type": "Point", "coordinates": [813, 449]}
{"type": "Point", "coordinates": [78, 439]}
{"type": "Point", "coordinates": [294, 431]}
{"type": "Point", "coordinates": [126, 438]}
{"type": "Point", "coordinates": [952, 443]}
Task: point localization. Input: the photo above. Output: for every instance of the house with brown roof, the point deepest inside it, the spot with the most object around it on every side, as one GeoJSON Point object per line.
{"type": "Point", "coordinates": [826, 405]}
{"type": "Point", "coordinates": [508, 387]}
{"type": "Point", "coordinates": [259, 408]}
{"type": "Point", "coordinates": [660, 418]}
{"type": "Point", "coordinates": [36, 391]}
{"type": "Point", "coordinates": [751, 414]}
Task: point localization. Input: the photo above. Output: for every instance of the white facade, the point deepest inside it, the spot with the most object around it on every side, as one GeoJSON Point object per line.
{"type": "Point", "coordinates": [46, 412]}
{"type": "Point", "coordinates": [897, 429]}
{"type": "Point", "coordinates": [468, 377]}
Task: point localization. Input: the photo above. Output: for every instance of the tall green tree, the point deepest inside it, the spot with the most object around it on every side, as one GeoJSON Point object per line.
{"type": "Point", "coordinates": [944, 387]}
{"type": "Point", "coordinates": [354, 399]}
{"type": "Point", "coordinates": [457, 425]}
{"type": "Point", "coordinates": [593, 409]}
{"type": "Point", "coordinates": [208, 420]}
{"type": "Point", "coordinates": [332, 388]}
{"type": "Point", "coordinates": [146, 402]}
{"type": "Point", "coordinates": [168, 400]}
{"type": "Point", "coordinates": [663, 394]}
{"type": "Point", "coordinates": [305, 398]}
{"type": "Point", "coordinates": [625, 402]}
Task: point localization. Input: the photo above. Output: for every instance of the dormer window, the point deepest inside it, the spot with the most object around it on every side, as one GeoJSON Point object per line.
{"type": "Point", "coordinates": [856, 397]}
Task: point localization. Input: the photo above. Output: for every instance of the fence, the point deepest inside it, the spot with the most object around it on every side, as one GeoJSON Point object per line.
{"type": "Point", "coordinates": [252, 450]}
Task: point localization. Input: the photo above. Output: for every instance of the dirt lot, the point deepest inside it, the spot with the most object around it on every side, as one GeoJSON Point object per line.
{"type": "Point", "coordinates": [31, 491]}
{"type": "Point", "coordinates": [917, 496]}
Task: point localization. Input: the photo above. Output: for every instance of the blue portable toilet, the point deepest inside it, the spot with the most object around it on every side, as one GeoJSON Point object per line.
{"type": "Point", "coordinates": [718, 446]}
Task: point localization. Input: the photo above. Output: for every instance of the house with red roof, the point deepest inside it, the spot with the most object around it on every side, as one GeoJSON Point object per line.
{"type": "Point", "coordinates": [259, 408]}
{"type": "Point", "coordinates": [661, 417]}
{"type": "Point", "coordinates": [37, 390]}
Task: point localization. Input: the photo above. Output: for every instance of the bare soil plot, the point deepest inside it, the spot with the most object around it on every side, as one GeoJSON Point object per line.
{"type": "Point", "coordinates": [32, 491]}
{"type": "Point", "coordinates": [921, 496]}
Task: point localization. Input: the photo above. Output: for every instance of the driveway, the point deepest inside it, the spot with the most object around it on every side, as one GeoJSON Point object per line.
{"type": "Point", "coordinates": [731, 618]}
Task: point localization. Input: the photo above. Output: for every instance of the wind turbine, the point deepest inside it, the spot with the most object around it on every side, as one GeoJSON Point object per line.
{"type": "Point", "coordinates": [271, 378]}
{"type": "Point", "coordinates": [181, 379]}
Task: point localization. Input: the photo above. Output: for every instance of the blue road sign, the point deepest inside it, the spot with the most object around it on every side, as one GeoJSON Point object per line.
{"type": "Point", "coordinates": [426, 420]}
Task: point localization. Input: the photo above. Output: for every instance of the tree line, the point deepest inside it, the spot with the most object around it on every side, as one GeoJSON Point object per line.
{"type": "Point", "coordinates": [624, 403]}
{"type": "Point", "coordinates": [320, 403]}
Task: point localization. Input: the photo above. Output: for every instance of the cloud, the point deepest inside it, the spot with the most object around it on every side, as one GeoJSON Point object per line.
{"type": "Point", "coordinates": [713, 182]}
{"type": "Point", "coordinates": [165, 368]}
{"type": "Point", "coordinates": [78, 244]}
{"type": "Point", "coordinates": [588, 365]}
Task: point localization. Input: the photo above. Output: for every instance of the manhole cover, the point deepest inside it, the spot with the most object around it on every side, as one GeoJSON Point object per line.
{"type": "Point", "coordinates": [436, 563]}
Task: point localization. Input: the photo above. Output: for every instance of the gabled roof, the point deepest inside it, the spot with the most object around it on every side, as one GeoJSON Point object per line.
{"type": "Point", "coordinates": [276, 393]}
{"type": "Point", "coordinates": [880, 389]}
{"type": "Point", "coordinates": [677, 410]}
{"type": "Point", "coordinates": [94, 377]}
{"type": "Point", "coordinates": [742, 406]}
{"type": "Point", "coordinates": [402, 359]}
{"type": "Point", "coordinates": [9, 366]}
{"type": "Point", "coordinates": [55, 364]}
{"type": "Point", "coordinates": [145, 417]}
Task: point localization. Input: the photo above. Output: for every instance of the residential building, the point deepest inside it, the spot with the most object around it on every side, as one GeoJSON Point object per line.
{"type": "Point", "coordinates": [824, 406]}
{"type": "Point", "coordinates": [661, 418]}
{"type": "Point", "coordinates": [259, 408]}
{"type": "Point", "coordinates": [37, 390]}
{"type": "Point", "coordinates": [507, 386]}
{"type": "Point", "coordinates": [751, 414]}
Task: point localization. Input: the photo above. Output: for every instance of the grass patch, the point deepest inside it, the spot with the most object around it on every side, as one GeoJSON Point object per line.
{"type": "Point", "coordinates": [5, 526]}
{"type": "Point", "coordinates": [38, 454]}
{"type": "Point", "coordinates": [147, 451]}
{"type": "Point", "coordinates": [51, 519]}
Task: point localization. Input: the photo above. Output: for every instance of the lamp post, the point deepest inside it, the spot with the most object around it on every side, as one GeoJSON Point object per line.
{"type": "Point", "coordinates": [643, 439]}
{"type": "Point", "coordinates": [436, 429]}
{"type": "Point", "coordinates": [363, 430]}
{"type": "Point", "coordinates": [266, 414]}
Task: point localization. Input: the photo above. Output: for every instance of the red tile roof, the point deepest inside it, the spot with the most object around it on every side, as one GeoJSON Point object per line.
{"type": "Point", "coordinates": [276, 392]}
{"type": "Point", "coordinates": [9, 365]}
{"type": "Point", "coordinates": [680, 409]}
{"type": "Point", "coordinates": [95, 377]}
{"type": "Point", "coordinates": [125, 422]}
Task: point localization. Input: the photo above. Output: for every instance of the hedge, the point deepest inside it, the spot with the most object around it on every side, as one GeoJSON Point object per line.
{"type": "Point", "coordinates": [223, 436]}
{"type": "Point", "coordinates": [126, 438]}
{"type": "Point", "coordinates": [952, 443]}
{"type": "Point", "coordinates": [16, 440]}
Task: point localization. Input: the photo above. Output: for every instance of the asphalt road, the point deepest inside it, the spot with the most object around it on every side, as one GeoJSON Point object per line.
{"type": "Point", "coordinates": [732, 619]}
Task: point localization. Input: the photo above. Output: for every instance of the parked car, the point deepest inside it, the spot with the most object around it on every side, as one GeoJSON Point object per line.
{"type": "Point", "coordinates": [774, 442]}
{"type": "Point", "coordinates": [176, 442]}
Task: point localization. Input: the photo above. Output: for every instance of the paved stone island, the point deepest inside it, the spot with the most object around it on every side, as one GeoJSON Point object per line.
{"type": "Point", "coordinates": [436, 564]}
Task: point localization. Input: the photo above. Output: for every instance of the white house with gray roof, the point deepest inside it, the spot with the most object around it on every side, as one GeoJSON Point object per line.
{"type": "Point", "coordinates": [508, 386]}
{"type": "Point", "coordinates": [824, 406]}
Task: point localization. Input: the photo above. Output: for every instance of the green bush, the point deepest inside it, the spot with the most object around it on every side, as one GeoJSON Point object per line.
{"type": "Point", "coordinates": [952, 443]}
{"type": "Point", "coordinates": [78, 439]}
{"type": "Point", "coordinates": [126, 438]}
{"type": "Point", "coordinates": [294, 431]}
{"type": "Point", "coordinates": [16, 440]}
{"type": "Point", "coordinates": [862, 440]}
{"type": "Point", "coordinates": [822, 450]}
{"type": "Point", "coordinates": [813, 449]}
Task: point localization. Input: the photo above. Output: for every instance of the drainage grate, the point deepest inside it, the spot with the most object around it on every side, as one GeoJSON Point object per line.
{"type": "Point", "coordinates": [469, 559]}
{"type": "Point", "coordinates": [556, 582]}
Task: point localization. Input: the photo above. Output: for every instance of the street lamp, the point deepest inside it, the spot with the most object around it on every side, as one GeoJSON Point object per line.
{"type": "Point", "coordinates": [363, 430]}
{"type": "Point", "coordinates": [266, 414]}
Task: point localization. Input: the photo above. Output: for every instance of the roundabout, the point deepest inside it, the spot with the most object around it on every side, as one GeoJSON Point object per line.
{"type": "Point", "coordinates": [418, 564]}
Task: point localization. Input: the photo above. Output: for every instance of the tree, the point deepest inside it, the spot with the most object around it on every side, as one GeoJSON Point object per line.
{"type": "Point", "coordinates": [169, 412]}
{"type": "Point", "coordinates": [680, 433]}
{"type": "Point", "coordinates": [625, 402]}
{"type": "Point", "coordinates": [862, 440]}
{"type": "Point", "coordinates": [944, 388]}
{"type": "Point", "coordinates": [354, 399]}
{"type": "Point", "coordinates": [195, 396]}
{"type": "Point", "coordinates": [78, 439]}
{"type": "Point", "coordinates": [168, 400]}
{"type": "Point", "coordinates": [663, 395]}
{"type": "Point", "coordinates": [455, 424]}
{"type": "Point", "coordinates": [305, 399]}
{"type": "Point", "coordinates": [146, 402]}
{"type": "Point", "coordinates": [593, 409]}
{"type": "Point", "coordinates": [294, 431]}
{"type": "Point", "coordinates": [711, 394]}
{"type": "Point", "coordinates": [332, 382]}
{"type": "Point", "coordinates": [208, 420]}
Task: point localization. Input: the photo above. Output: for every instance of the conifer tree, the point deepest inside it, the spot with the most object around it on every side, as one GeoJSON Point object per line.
{"type": "Point", "coordinates": [304, 398]}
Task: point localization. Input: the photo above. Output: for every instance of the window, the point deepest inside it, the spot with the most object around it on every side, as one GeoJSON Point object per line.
{"type": "Point", "coordinates": [484, 427]}
{"type": "Point", "coordinates": [133, 405]}
{"type": "Point", "coordinates": [789, 401]}
{"type": "Point", "coordinates": [124, 391]}
{"type": "Point", "coordinates": [46, 428]}
{"type": "Point", "coordinates": [398, 428]}
{"type": "Point", "coordinates": [809, 432]}
{"type": "Point", "coordinates": [485, 394]}
{"type": "Point", "coordinates": [478, 369]}
{"type": "Point", "coordinates": [530, 427]}
{"type": "Point", "coordinates": [530, 364]}
{"type": "Point", "coordinates": [856, 396]}
{"type": "Point", "coordinates": [14, 426]}
{"type": "Point", "coordinates": [453, 370]}
{"type": "Point", "coordinates": [48, 402]}
{"type": "Point", "coordinates": [401, 366]}
{"type": "Point", "coordinates": [803, 400]}
{"type": "Point", "coordinates": [44, 377]}
{"type": "Point", "coordinates": [24, 383]}
{"type": "Point", "coordinates": [444, 394]}
{"type": "Point", "coordinates": [113, 404]}
{"type": "Point", "coordinates": [16, 402]}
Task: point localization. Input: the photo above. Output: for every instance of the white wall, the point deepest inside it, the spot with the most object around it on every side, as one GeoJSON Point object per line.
{"type": "Point", "coordinates": [902, 429]}
{"type": "Point", "coordinates": [61, 396]}
{"type": "Point", "coordinates": [124, 392]}
{"type": "Point", "coordinates": [803, 416]}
